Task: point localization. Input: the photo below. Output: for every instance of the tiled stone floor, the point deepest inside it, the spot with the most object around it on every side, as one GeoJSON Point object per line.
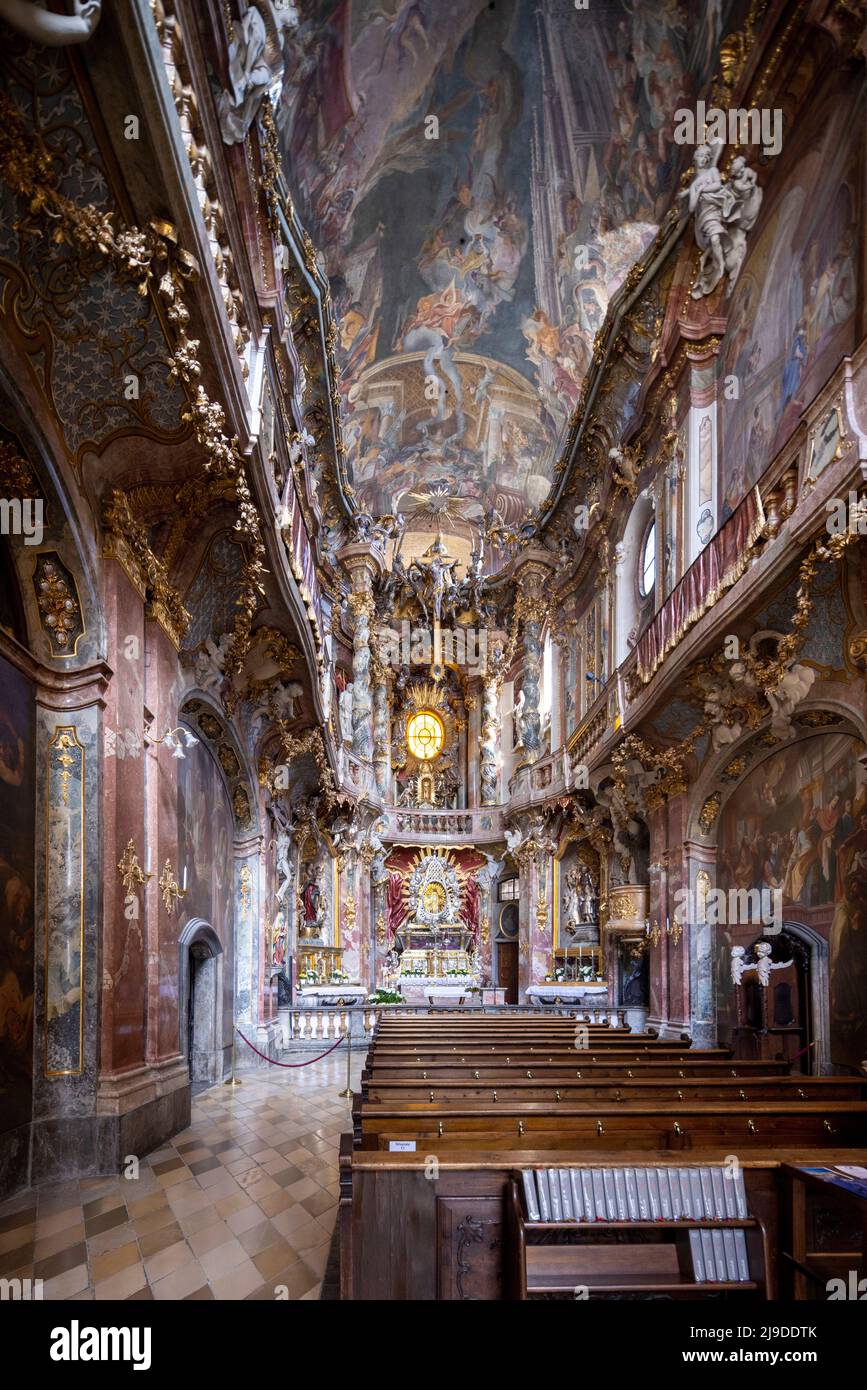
{"type": "Point", "coordinates": [238, 1205]}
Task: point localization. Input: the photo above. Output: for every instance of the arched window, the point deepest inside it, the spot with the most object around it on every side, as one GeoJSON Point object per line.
{"type": "Point", "coordinates": [425, 735]}
{"type": "Point", "coordinates": [647, 576]}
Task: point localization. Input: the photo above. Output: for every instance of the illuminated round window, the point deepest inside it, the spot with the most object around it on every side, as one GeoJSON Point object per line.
{"type": "Point", "coordinates": [425, 734]}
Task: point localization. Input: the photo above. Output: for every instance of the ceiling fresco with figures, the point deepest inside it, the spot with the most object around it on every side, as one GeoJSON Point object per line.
{"type": "Point", "coordinates": [475, 224]}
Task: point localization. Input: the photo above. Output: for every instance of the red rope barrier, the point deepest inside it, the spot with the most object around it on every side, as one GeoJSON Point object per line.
{"type": "Point", "coordinates": [271, 1061]}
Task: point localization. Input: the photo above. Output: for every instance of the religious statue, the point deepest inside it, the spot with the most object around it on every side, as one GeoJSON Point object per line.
{"type": "Point", "coordinates": [738, 964]}
{"type": "Point", "coordinates": [587, 893]}
{"type": "Point", "coordinates": [724, 212]}
{"type": "Point", "coordinates": [256, 64]}
{"type": "Point", "coordinates": [284, 863]}
{"type": "Point", "coordinates": [208, 662]}
{"type": "Point", "coordinates": [345, 713]}
{"type": "Point", "coordinates": [310, 899]}
{"type": "Point", "coordinates": [572, 904]}
{"type": "Point", "coordinates": [279, 936]}
{"type": "Point", "coordinates": [41, 25]}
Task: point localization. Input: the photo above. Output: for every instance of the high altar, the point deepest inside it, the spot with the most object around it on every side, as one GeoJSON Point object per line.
{"type": "Point", "coordinates": [435, 946]}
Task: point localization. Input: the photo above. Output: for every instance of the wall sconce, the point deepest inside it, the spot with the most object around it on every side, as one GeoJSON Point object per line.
{"type": "Point", "coordinates": [654, 932]}
{"type": "Point", "coordinates": [177, 739]}
{"type": "Point", "coordinates": [169, 887]}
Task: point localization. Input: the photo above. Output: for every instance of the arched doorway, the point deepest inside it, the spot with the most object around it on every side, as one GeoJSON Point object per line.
{"type": "Point", "coordinates": [201, 997]}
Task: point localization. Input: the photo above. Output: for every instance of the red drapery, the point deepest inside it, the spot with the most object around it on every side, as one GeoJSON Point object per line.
{"type": "Point", "coordinates": [395, 907]}
{"type": "Point", "coordinates": [470, 907]}
{"type": "Point", "coordinates": [720, 564]}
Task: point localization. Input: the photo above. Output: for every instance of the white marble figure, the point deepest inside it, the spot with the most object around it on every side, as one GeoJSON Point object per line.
{"type": "Point", "coordinates": [41, 25]}
{"type": "Point", "coordinates": [284, 698]}
{"type": "Point", "coordinates": [793, 688]}
{"type": "Point", "coordinates": [738, 964]}
{"type": "Point", "coordinates": [208, 664]}
{"type": "Point", "coordinates": [763, 964]}
{"type": "Point", "coordinates": [345, 711]}
{"type": "Point", "coordinates": [513, 840]}
{"type": "Point", "coordinates": [256, 64]}
{"type": "Point", "coordinates": [724, 211]}
{"type": "Point", "coordinates": [572, 902]}
{"type": "Point", "coordinates": [284, 863]}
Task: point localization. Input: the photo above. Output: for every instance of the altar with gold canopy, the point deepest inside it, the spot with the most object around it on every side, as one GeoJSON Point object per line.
{"type": "Point", "coordinates": [435, 945]}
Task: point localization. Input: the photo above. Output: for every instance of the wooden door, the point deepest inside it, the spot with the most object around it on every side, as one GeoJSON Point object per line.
{"type": "Point", "coordinates": [507, 969]}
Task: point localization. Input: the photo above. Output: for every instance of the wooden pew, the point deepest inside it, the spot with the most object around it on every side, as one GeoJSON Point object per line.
{"type": "Point", "coordinates": [622, 1100]}
{"type": "Point", "coordinates": [632, 1125]}
{"type": "Point", "coordinates": [507, 1086]}
{"type": "Point", "coordinates": [528, 1056]}
{"type": "Point", "coordinates": [491, 1069]}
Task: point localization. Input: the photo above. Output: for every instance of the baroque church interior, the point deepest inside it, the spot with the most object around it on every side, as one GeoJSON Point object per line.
{"type": "Point", "coordinates": [433, 635]}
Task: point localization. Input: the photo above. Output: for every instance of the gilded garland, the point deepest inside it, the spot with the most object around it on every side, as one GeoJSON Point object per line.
{"type": "Point", "coordinates": [151, 258]}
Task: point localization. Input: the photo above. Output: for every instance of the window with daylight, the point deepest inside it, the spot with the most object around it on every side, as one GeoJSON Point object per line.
{"type": "Point", "coordinates": [425, 735]}
{"type": "Point", "coordinates": [648, 561]}
{"type": "Point", "coordinates": [508, 890]}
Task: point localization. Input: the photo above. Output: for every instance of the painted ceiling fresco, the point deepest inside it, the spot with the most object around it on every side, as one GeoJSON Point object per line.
{"type": "Point", "coordinates": [472, 258]}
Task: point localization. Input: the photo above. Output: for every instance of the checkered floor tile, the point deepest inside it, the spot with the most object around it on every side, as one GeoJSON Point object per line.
{"type": "Point", "coordinates": [243, 1204]}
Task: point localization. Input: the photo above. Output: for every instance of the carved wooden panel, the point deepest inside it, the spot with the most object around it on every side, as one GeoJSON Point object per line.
{"type": "Point", "coordinates": [470, 1232]}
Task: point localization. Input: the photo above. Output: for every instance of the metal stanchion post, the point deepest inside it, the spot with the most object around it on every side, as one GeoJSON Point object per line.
{"type": "Point", "coordinates": [347, 1094]}
{"type": "Point", "coordinates": [233, 1079]}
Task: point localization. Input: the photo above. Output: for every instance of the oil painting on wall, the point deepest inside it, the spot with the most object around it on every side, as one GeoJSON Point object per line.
{"type": "Point", "coordinates": [798, 825]}
{"type": "Point", "coordinates": [791, 317]}
{"type": "Point", "coordinates": [17, 802]}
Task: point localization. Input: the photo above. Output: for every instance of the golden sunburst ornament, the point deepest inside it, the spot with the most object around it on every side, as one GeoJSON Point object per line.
{"type": "Point", "coordinates": [439, 508]}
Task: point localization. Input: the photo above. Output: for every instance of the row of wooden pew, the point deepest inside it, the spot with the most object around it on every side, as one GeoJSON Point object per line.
{"type": "Point", "coordinates": [452, 1107]}
{"type": "Point", "coordinates": [512, 1083]}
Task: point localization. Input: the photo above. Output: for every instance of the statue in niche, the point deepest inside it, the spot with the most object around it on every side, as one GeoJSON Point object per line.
{"type": "Point", "coordinates": [572, 903]}
{"type": "Point", "coordinates": [588, 896]}
{"type": "Point", "coordinates": [345, 713]}
{"type": "Point", "coordinates": [43, 26]}
{"type": "Point", "coordinates": [312, 905]}
{"type": "Point", "coordinates": [724, 212]}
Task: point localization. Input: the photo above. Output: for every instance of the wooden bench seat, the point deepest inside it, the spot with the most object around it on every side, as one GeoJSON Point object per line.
{"type": "Point", "coordinates": [526, 1056]}
{"type": "Point", "coordinates": [612, 1125]}
{"type": "Point", "coordinates": [508, 1087]}
{"type": "Point", "coordinates": [576, 1067]}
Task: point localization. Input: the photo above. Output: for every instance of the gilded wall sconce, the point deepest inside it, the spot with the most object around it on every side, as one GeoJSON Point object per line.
{"type": "Point", "coordinates": [170, 889]}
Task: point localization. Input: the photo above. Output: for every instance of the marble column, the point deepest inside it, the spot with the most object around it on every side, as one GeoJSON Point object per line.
{"type": "Point", "coordinates": [362, 700]}
{"type": "Point", "coordinates": [533, 576]}
{"type": "Point", "coordinates": [364, 563]}
{"type": "Point", "coordinates": [381, 742]}
{"type": "Point", "coordinates": [489, 741]}
{"type": "Point", "coordinates": [67, 984]}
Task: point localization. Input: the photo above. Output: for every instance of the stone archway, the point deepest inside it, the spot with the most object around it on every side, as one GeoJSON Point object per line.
{"type": "Point", "coordinates": [200, 998]}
